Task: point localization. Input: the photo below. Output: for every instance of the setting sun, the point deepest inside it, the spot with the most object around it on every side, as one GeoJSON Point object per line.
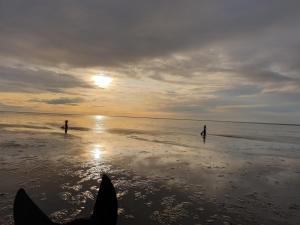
{"type": "Point", "coordinates": [102, 80]}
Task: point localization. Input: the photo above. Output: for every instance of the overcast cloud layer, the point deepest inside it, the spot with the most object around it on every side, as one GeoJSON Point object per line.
{"type": "Point", "coordinates": [235, 59]}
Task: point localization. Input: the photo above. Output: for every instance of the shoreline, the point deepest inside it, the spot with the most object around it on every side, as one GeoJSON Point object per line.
{"type": "Point", "coordinates": [158, 118]}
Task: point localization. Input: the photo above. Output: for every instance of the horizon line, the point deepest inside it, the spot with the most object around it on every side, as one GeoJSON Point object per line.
{"type": "Point", "coordinates": [159, 118]}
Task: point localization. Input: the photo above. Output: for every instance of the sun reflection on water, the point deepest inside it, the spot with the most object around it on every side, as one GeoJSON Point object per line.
{"type": "Point", "coordinates": [99, 127]}
{"type": "Point", "coordinates": [97, 152]}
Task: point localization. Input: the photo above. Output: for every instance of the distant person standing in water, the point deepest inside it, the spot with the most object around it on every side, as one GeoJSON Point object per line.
{"type": "Point", "coordinates": [66, 126]}
{"type": "Point", "coordinates": [203, 133]}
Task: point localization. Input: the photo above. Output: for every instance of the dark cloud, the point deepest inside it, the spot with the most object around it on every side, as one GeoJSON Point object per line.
{"type": "Point", "coordinates": [10, 107]}
{"type": "Point", "coordinates": [60, 101]}
{"type": "Point", "coordinates": [241, 90]}
{"type": "Point", "coordinates": [28, 80]}
{"type": "Point", "coordinates": [95, 32]}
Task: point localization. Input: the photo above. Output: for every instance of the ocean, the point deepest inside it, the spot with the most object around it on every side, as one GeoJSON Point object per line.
{"type": "Point", "coordinates": [162, 169]}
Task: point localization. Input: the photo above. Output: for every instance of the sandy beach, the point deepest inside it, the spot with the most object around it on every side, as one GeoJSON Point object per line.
{"type": "Point", "coordinates": [162, 170]}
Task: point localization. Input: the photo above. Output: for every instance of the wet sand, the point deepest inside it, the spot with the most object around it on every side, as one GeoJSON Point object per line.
{"type": "Point", "coordinates": [161, 176]}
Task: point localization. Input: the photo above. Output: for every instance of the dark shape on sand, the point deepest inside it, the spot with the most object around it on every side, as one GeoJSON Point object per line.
{"type": "Point", "coordinates": [203, 134]}
{"type": "Point", "coordinates": [66, 126]}
{"type": "Point", "coordinates": [26, 212]}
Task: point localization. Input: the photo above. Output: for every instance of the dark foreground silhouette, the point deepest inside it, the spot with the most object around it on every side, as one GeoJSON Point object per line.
{"type": "Point", "coordinates": [105, 212]}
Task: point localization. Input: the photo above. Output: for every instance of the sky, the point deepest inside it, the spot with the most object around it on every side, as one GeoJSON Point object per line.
{"type": "Point", "coordinates": [202, 59]}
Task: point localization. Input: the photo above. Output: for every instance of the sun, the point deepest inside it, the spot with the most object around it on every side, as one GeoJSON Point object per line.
{"type": "Point", "coordinates": [101, 80]}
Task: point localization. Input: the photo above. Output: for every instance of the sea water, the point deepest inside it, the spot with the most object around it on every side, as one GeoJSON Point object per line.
{"type": "Point", "coordinates": [164, 172]}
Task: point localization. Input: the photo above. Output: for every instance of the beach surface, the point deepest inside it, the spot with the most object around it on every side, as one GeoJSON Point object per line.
{"type": "Point", "coordinates": [163, 171]}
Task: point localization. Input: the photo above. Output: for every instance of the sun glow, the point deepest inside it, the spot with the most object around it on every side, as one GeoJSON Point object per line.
{"type": "Point", "coordinates": [102, 81]}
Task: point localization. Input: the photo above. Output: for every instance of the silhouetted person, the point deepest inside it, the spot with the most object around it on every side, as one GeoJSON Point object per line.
{"type": "Point", "coordinates": [204, 139]}
{"type": "Point", "coordinates": [66, 126]}
{"type": "Point", "coordinates": [203, 133]}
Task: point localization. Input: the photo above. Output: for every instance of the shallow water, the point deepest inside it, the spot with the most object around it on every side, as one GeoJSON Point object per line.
{"type": "Point", "coordinates": [162, 170]}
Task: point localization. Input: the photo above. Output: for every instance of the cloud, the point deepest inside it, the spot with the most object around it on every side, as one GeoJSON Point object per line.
{"type": "Point", "coordinates": [10, 107]}
{"type": "Point", "coordinates": [29, 80]}
{"type": "Point", "coordinates": [93, 32]}
{"type": "Point", "coordinates": [194, 56]}
{"type": "Point", "coordinates": [61, 101]}
{"type": "Point", "coordinates": [242, 90]}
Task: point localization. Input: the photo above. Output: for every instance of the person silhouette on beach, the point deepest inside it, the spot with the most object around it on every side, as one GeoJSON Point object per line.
{"type": "Point", "coordinates": [66, 126]}
{"type": "Point", "coordinates": [203, 133]}
{"type": "Point", "coordinates": [204, 139]}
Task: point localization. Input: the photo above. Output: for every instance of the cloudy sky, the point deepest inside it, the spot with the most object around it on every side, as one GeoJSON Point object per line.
{"type": "Point", "coordinates": [226, 60]}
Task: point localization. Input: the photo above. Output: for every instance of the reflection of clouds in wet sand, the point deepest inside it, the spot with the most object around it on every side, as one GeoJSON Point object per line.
{"type": "Point", "coordinates": [162, 177]}
{"type": "Point", "coordinates": [144, 192]}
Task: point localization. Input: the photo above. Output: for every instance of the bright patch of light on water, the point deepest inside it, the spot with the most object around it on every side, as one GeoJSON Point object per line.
{"type": "Point", "coordinates": [97, 152]}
